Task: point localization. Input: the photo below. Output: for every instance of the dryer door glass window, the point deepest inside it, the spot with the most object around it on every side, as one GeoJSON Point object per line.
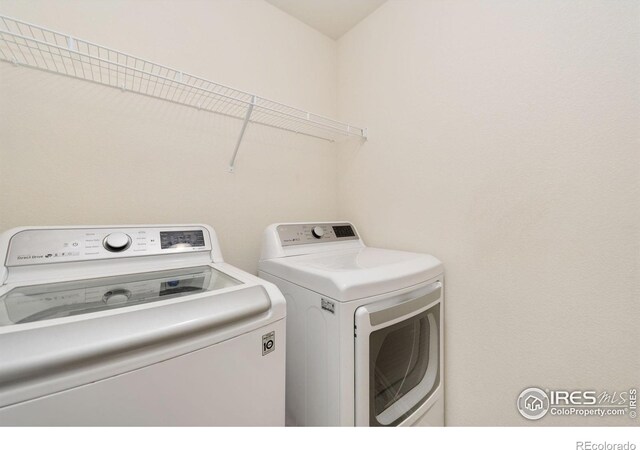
{"type": "Point", "coordinates": [53, 300]}
{"type": "Point", "coordinates": [404, 367]}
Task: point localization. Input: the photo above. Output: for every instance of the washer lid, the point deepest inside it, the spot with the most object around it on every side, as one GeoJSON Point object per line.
{"type": "Point", "coordinates": [352, 274]}
{"type": "Point", "coordinates": [39, 302]}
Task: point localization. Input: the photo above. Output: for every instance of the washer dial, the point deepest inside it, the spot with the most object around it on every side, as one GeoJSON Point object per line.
{"type": "Point", "coordinates": [317, 232]}
{"type": "Point", "coordinates": [117, 242]}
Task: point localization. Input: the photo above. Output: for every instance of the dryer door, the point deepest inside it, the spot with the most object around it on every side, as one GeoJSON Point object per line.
{"type": "Point", "coordinates": [398, 354]}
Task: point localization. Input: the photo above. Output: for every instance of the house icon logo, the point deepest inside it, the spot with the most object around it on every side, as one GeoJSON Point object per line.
{"type": "Point", "coordinates": [533, 403]}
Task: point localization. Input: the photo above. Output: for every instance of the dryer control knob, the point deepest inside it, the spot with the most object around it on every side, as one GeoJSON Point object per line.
{"type": "Point", "coordinates": [117, 242]}
{"type": "Point", "coordinates": [317, 232]}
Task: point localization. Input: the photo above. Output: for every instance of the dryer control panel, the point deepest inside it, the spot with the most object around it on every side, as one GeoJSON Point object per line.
{"type": "Point", "coordinates": [315, 233]}
{"type": "Point", "coordinates": [46, 246]}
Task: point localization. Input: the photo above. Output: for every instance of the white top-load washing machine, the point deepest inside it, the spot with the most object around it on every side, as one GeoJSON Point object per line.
{"type": "Point", "coordinates": [364, 327]}
{"type": "Point", "coordinates": [135, 325]}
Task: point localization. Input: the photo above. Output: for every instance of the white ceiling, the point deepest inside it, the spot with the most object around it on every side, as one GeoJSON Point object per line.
{"type": "Point", "coordinates": [331, 17]}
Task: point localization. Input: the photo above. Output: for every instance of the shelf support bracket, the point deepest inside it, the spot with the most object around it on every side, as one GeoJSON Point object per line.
{"type": "Point", "coordinates": [244, 128]}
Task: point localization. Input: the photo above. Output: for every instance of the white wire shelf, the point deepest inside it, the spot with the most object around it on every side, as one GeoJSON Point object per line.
{"type": "Point", "coordinates": [25, 44]}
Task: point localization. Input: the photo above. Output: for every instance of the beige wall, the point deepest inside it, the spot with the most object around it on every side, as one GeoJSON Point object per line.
{"type": "Point", "coordinates": [504, 138]}
{"type": "Point", "coordinates": [77, 153]}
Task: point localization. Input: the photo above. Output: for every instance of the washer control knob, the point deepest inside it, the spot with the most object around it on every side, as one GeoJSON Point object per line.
{"type": "Point", "coordinates": [117, 242]}
{"type": "Point", "coordinates": [116, 296]}
{"type": "Point", "coordinates": [317, 232]}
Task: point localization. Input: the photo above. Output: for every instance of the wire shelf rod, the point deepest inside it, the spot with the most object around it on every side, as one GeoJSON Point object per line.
{"type": "Point", "coordinates": [30, 45]}
{"type": "Point", "coordinates": [169, 80]}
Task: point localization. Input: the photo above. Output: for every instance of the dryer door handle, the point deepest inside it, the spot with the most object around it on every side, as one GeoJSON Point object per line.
{"type": "Point", "coordinates": [389, 313]}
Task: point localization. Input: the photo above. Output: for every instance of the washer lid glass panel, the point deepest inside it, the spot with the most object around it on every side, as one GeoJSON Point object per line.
{"type": "Point", "coordinates": [49, 301]}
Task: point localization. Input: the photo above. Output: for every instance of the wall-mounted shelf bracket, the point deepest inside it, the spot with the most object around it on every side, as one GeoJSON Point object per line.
{"type": "Point", "coordinates": [242, 130]}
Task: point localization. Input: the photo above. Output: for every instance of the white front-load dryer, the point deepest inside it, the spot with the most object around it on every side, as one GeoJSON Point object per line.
{"type": "Point", "coordinates": [135, 325]}
{"type": "Point", "coordinates": [364, 328]}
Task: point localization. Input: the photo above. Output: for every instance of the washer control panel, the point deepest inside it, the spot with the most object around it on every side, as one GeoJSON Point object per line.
{"type": "Point", "coordinates": [45, 246]}
{"type": "Point", "coordinates": [311, 233]}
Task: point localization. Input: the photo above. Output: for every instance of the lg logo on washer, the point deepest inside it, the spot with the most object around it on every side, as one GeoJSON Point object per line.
{"type": "Point", "coordinates": [268, 343]}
